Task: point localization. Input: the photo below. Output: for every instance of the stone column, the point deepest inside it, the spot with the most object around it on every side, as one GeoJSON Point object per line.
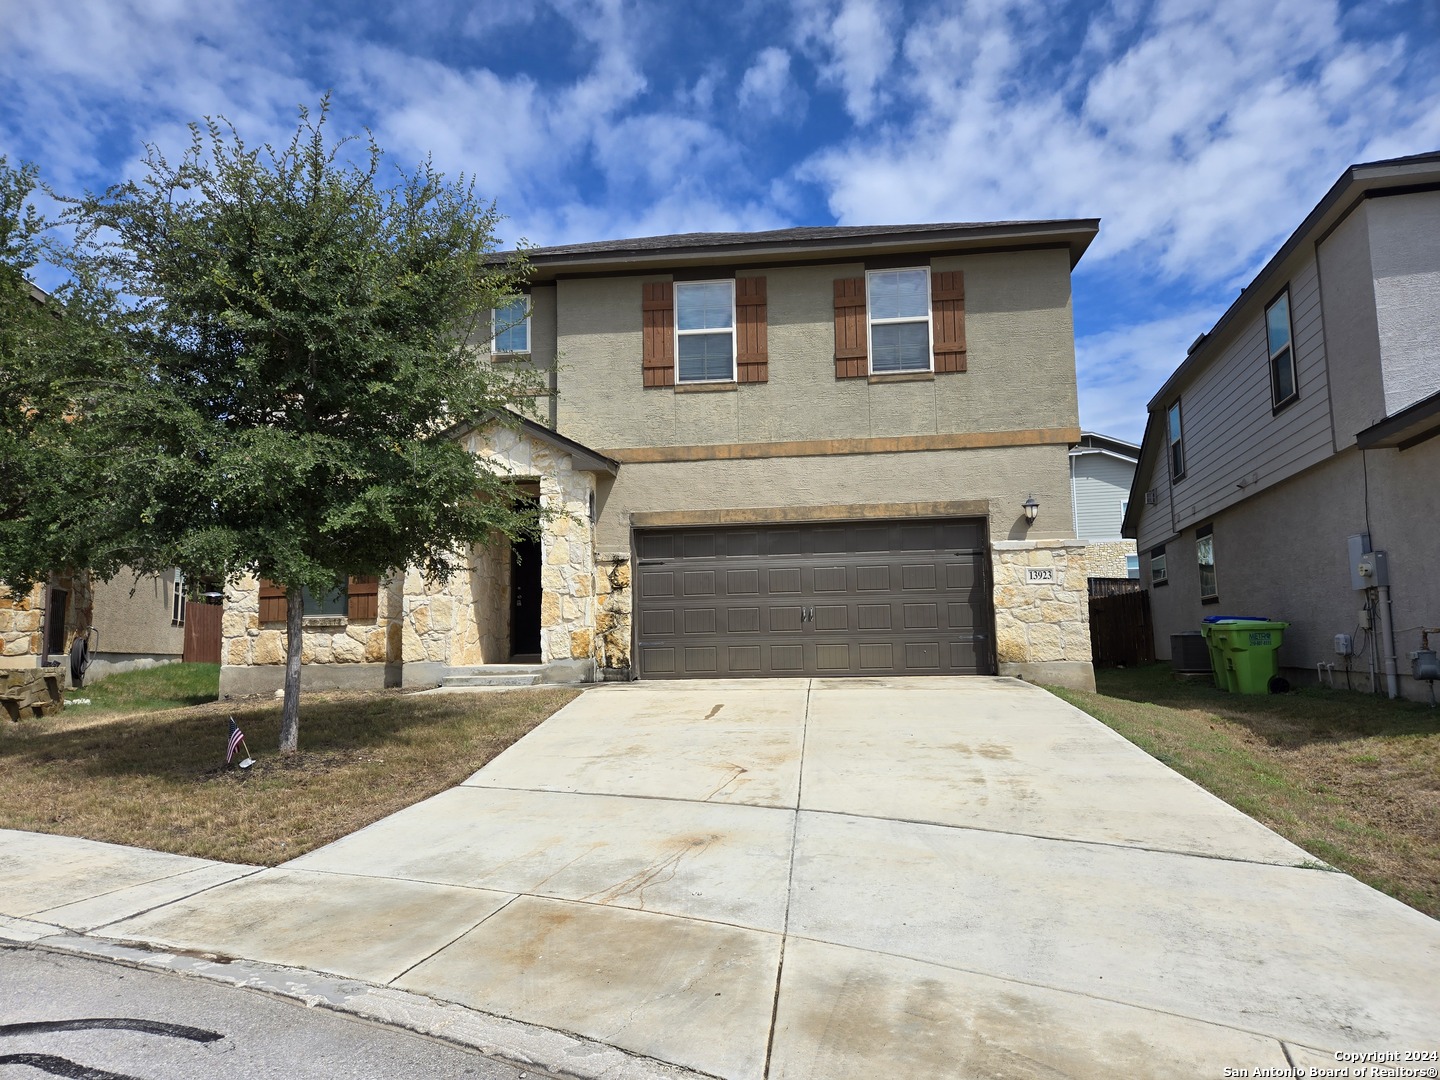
{"type": "Point", "coordinates": [1042, 612]}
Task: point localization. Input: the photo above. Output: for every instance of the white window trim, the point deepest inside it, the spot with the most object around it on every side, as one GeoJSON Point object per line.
{"type": "Point", "coordinates": [734, 368]}
{"type": "Point", "coordinates": [1284, 294]}
{"type": "Point", "coordinates": [495, 329]}
{"type": "Point", "coordinates": [871, 322]}
{"type": "Point", "coordinates": [177, 600]}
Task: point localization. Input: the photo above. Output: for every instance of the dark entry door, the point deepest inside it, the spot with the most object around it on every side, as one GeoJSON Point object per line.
{"type": "Point", "coordinates": [839, 598]}
{"type": "Point", "coordinates": [55, 622]}
{"type": "Point", "coordinates": [525, 598]}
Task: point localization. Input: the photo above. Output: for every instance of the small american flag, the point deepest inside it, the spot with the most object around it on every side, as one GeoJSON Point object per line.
{"type": "Point", "coordinates": [236, 738]}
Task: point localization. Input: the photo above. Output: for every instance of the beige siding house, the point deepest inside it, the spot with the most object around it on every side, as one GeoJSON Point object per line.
{"type": "Point", "coordinates": [802, 452]}
{"type": "Point", "coordinates": [1300, 431]}
{"type": "Point", "coordinates": [1102, 471]}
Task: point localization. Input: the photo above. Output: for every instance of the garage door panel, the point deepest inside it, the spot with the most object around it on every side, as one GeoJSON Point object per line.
{"type": "Point", "coordinates": [861, 598]}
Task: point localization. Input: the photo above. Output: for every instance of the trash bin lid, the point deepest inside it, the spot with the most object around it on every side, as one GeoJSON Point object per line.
{"type": "Point", "coordinates": [1236, 618]}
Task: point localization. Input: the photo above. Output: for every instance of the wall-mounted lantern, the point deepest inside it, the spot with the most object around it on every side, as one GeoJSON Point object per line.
{"type": "Point", "coordinates": [1032, 507]}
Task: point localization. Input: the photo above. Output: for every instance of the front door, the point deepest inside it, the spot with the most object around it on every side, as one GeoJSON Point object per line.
{"type": "Point", "coordinates": [525, 598]}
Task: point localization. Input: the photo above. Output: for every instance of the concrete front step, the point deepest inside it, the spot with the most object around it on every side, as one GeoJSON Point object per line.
{"type": "Point", "coordinates": [490, 680]}
{"type": "Point", "coordinates": [494, 675]}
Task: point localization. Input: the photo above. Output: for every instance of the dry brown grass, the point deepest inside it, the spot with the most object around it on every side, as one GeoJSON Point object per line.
{"type": "Point", "coordinates": [1353, 779]}
{"type": "Point", "coordinates": [157, 779]}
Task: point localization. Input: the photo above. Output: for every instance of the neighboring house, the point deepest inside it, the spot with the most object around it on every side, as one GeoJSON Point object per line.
{"type": "Point", "coordinates": [801, 452]}
{"type": "Point", "coordinates": [124, 629]}
{"type": "Point", "coordinates": [1301, 431]}
{"type": "Point", "coordinates": [1102, 470]}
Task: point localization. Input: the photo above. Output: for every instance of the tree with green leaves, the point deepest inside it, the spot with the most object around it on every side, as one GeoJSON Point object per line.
{"type": "Point", "coordinates": [300, 344]}
{"type": "Point", "coordinates": [64, 506]}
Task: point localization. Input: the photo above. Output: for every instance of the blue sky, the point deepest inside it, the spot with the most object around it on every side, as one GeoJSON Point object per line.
{"type": "Point", "coordinates": [1200, 133]}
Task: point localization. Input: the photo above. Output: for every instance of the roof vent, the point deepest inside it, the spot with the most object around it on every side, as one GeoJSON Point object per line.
{"type": "Point", "coordinates": [1195, 344]}
{"type": "Point", "coordinates": [1152, 497]}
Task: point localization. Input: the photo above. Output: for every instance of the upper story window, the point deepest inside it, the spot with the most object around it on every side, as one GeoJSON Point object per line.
{"type": "Point", "coordinates": [511, 328]}
{"type": "Point", "coordinates": [898, 302]}
{"type": "Point", "coordinates": [1176, 432]}
{"type": "Point", "coordinates": [705, 331]}
{"type": "Point", "coordinates": [1280, 340]}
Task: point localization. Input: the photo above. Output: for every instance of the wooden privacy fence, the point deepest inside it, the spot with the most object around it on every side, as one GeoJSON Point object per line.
{"type": "Point", "coordinates": [202, 634]}
{"type": "Point", "coordinates": [1120, 631]}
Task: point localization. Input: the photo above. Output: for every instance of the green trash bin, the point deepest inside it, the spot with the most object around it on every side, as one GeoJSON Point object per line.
{"type": "Point", "coordinates": [1243, 652]}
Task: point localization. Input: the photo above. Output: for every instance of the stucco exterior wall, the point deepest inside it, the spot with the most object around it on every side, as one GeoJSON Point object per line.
{"type": "Point", "coordinates": [1003, 476]}
{"type": "Point", "coordinates": [1021, 363]}
{"type": "Point", "coordinates": [139, 623]}
{"type": "Point", "coordinates": [1283, 554]}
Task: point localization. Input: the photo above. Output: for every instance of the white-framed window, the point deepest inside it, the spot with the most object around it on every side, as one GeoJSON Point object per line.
{"type": "Point", "coordinates": [1205, 559]}
{"type": "Point", "coordinates": [510, 328]}
{"type": "Point", "coordinates": [1177, 442]}
{"type": "Point", "coordinates": [897, 306]}
{"type": "Point", "coordinates": [1158, 575]}
{"type": "Point", "coordinates": [1132, 566]}
{"type": "Point", "coordinates": [705, 331]}
{"type": "Point", "coordinates": [1279, 339]}
{"type": "Point", "coordinates": [177, 601]}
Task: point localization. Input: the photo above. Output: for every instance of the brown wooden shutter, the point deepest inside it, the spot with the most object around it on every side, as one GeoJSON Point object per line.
{"type": "Point", "coordinates": [658, 310]}
{"type": "Point", "coordinates": [364, 599]}
{"type": "Point", "coordinates": [272, 602]}
{"type": "Point", "coordinates": [947, 307]}
{"type": "Point", "coordinates": [851, 348]}
{"type": "Point", "coordinates": [752, 348]}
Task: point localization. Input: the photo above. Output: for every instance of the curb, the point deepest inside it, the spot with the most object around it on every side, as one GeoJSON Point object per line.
{"type": "Point", "coordinates": [527, 1046]}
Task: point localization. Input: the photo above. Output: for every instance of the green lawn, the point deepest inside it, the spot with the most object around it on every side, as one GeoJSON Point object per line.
{"type": "Point", "coordinates": [1350, 777]}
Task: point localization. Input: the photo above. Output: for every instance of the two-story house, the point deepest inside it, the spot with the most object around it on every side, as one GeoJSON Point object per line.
{"type": "Point", "coordinates": [814, 451]}
{"type": "Point", "coordinates": [1102, 471]}
{"type": "Point", "coordinates": [1299, 433]}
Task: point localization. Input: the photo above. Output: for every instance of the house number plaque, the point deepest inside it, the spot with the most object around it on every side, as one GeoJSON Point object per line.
{"type": "Point", "coordinates": [1038, 575]}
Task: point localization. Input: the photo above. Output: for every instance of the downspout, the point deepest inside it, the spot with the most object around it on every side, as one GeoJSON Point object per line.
{"type": "Point", "coordinates": [1387, 640]}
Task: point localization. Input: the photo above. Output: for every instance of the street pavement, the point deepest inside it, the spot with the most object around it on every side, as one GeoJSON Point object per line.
{"type": "Point", "coordinates": [79, 1017]}
{"type": "Point", "coordinates": [820, 879]}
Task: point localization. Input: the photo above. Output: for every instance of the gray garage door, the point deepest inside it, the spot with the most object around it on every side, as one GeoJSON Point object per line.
{"type": "Point", "coordinates": [849, 598]}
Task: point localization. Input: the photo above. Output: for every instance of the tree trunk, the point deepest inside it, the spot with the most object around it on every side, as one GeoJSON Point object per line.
{"type": "Point", "coordinates": [294, 631]}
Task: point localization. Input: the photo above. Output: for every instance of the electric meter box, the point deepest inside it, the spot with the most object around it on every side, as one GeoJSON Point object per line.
{"type": "Point", "coordinates": [1374, 569]}
{"type": "Point", "coordinates": [1359, 545]}
{"type": "Point", "coordinates": [1343, 645]}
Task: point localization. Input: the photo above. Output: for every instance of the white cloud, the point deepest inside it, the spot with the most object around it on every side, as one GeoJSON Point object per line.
{"type": "Point", "coordinates": [767, 89]}
{"type": "Point", "coordinates": [1120, 370]}
{"type": "Point", "coordinates": [854, 46]}
{"type": "Point", "coordinates": [1201, 135]}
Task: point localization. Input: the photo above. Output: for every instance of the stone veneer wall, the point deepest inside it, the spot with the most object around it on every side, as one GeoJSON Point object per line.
{"type": "Point", "coordinates": [612, 627]}
{"type": "Point", "coordinates": [1042, 629]}
{"type": "Point", "coordinates": [246, 641]}
{"type": "Point", "coordinates": [1106, 558]}
{"type": "Point", "coordinates": [567, 548]}
{"type": "Point", "coordinates": [22, 620]}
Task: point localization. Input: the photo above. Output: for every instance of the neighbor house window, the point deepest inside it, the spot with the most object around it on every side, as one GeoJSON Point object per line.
{"type": "Point", "coordinates": [1157, 566]}
{"type": "Point", "coordinates": [1205, 558]}
{"type": "Point", "coordinates": [1280, 339]}
{"type": "Point", "coordinates": [705, 331]}
{"type": "Point", "coordinates": [177, 601]}
{"type": "Point", "coordinates": [1132, 566]}
{"type": "Point", "coordinates": [1177, 443]}
{"type": "Point", "coordinates": [898, 304]}
{"type": "Point", "coordinates": [511, 328]}
{"type": "Point", "coordinates": [333, 602]}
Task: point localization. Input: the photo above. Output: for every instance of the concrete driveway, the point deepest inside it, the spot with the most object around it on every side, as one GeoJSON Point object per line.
{"type": "Point", "coordinates": [835, 879]}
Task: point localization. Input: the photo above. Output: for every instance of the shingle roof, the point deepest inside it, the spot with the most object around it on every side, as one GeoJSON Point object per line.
{"type": "Point", "coordinates": [708, 246]}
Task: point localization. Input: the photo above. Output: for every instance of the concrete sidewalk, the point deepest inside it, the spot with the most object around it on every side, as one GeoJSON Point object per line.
{"type": "Point", "coordinates": [820, 879]}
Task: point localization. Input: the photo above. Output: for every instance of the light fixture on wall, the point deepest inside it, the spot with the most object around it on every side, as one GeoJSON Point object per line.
{"type": "Point", "coordinates": [1032, 507]}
